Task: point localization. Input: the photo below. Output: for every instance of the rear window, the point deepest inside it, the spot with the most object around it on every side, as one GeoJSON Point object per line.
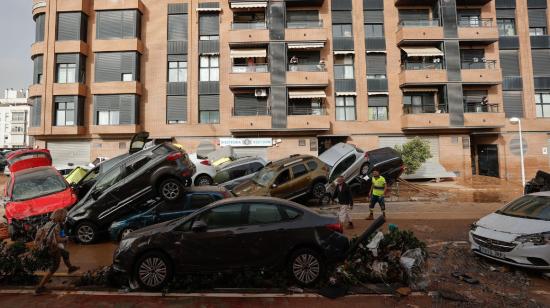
{"type": "Point", "coordinates": [37, 184]}
{"type": "Point", "coordinates": [28, 156]}
{"type": "Point", "coordinates": [312, 165]}
{"type": "Point", "coordinates": [164, 149]}
{"type": "Point", "coordinates": [532, 207]}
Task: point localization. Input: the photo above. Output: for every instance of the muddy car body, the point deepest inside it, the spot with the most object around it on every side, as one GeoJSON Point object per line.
{"type": "Point", "coordinates": [242, 167]}
{"type": "Point", "coordinates": [160, 170]}
{"type": "Point", "coordinates": [289, 178]}
{"type": "Point", "coordinates": [234, 234]}
{"type": "Point", "coordinates": [518, 234]}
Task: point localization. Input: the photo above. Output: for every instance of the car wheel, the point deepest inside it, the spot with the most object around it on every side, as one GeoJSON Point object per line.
{"type": "Point", "coordinates": [203, 180]}
{"type": "Point", "coordinates": [86, 233]}
{"type": "Point", "coordinates": [325, 200]}
{"type": "Point", "coordinates": [153, 271]}
{"type": "Point", "coordinates": [171, 189]}
{"type": "Point", "coordinates": [318, 190]}
{"type": "Point", "coordinates": [364, 169]}
{"type": "Point", "coordinates": [124, 233]}
{"type": "Point", "coordinates": [306, 266]}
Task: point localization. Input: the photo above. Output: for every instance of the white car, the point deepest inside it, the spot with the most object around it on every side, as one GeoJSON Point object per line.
{"type": "Point", "coordinates": [518, 234]}
{"type": "Point", "coordinates": [205, 171]}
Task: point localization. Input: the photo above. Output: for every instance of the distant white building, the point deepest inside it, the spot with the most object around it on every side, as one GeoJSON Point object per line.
{"type": "Point", "coordinates": [14, 119]}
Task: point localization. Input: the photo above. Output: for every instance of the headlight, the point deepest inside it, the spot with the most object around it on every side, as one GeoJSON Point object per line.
{"type": "Point", "coordinates": [126, 243]}
{"type": "Point", "coordinates": [473, 227]}
{"type": "Point", "coordinates": [537, 239]}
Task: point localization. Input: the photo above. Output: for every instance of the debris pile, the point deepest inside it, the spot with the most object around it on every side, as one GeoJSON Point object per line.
{"type": "Point", "coordinates": [18, 263]}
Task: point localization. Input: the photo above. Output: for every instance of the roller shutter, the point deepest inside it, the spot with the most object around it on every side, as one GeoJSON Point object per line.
{"type": "Point", "coordinates": [176, 107]}
{"type": "Point", "coordinates": [209, 24]}
{"type": "Point", "coordinates": [537, 18]}
{"type": "Point", "coordinates": [509, 62]}
{"type": "Point", "coordinates": [250, 152]}
{"type": "Point", "coordinates": [65, 152]}
{"type": "Point", "coordinates": [376, 64]}
{"type": "Point", "coordinates": [541, 62]}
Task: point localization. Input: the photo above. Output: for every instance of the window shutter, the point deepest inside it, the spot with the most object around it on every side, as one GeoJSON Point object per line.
{"type": "Point", "coordinates": [378, 101]}
{"type": "Point", "coordinates": [509, 62]}
{"type": "Point", "coordinates": [177, 27]}
{"type": "Point", "coordinates": [537, 18]}
{"type": "Point", "coordinates": [341, 5]}
{"type": "Point", "coordinates": [374, 17]}
{"type": "Point", "coordinates": [209, 102]}
{"type": "Point", "coordinates": [38, 62]}
{"type": "Point", "coordinates": [250, 105]}
{"type": "Point", "coordinates": [176, 108]}
{"type": "Point", "coordinates": [376, 64]}
{"type": "Point", "coordinates": [341, 17]}
{"type": "Point", "coordinates": [506, 13]}
{"type": "Point", "coordinates": [39, 27]}
{"type": "Point", "coordinates": [36, 112]}
{"type": "Point", "coordinates": [109, 25]}
{"type": "Point", "coordinates": [68, 26]}
{"type": "Point", "coordinates": [513, 105]}
{"type": "Point", "coordinates": [128, 109]}
{"type": "Point", "coordinates": [209, 24]}
{"type": "Point", "coordinates": [107, 66]}
{"type": "Point", "coordinates": [541, 62]}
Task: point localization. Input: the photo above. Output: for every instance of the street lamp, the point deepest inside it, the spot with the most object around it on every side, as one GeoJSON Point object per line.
{"type": "Point", "coordinates": [517, 121]}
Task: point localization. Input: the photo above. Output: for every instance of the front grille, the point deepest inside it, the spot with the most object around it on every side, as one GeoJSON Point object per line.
{"type": "Point", "coordinates": [537, 261]}
{"type": "Point", "coordinates": [493, 244]}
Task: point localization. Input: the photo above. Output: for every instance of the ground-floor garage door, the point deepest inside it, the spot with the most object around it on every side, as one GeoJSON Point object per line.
{"type": "Point", "coordinates": [250, 151]}
{"type": "Point", "coordinates": [432, 168]}
{"type": "Point", "coordinates": [65, 152]}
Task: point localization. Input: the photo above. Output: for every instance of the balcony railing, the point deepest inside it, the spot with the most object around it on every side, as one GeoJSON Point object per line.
{"type": "Point", "coordinates": [258, 111]}
{"type": "Point", "coordinates": [306, 110]}
{"type": "Point", "coordinates": [248, 25]}
{"type": "Point", "coordinates": [476, 23]}
{"type": "Point", "coordinates": [409, 109]}
{"type": "Point", "coordinates": [481, 64]}
{"type": "Point", "coordinates": [244, 68]}
{"type": "Point", "coordinates": [476, 107]}
{"type": "Point", "coordinates": [422, 66]}
{"type": "Point", "coordinates": [306, 24]}
{"type": "Point", "coordinates": [420, 23]}
{"type": "Point", "coordinates": [306, 68]}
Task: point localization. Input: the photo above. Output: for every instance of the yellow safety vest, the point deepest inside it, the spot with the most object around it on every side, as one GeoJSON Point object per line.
{"type": "Point", "coordinates": [378, 186]}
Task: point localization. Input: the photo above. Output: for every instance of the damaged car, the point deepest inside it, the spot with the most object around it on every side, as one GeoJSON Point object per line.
{"type": "Point", "coordinates": [518, 234]}
{"type": "Point", "coordinates": [234, 234]}
{"type": "Point", "coordinates": [233, 173]}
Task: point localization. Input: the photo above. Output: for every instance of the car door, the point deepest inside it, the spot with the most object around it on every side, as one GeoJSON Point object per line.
{"type": "Point", "coordinates": [106, 193]}
{"type": "Point", "coordinates": [301, 180]}
{"type": "Point", "coordinates": [217, 248]}
{"type": "Point", "coordinates": [137, 174]}
{"type": "Point", "coordinates": [282, 185]}
{"type": "Point", "coordinates": [237, 172]}
{"type": "Point", "coordinates": [342, 168]}
{"type": "Point", "coordinates": [254, 167]}
{"type": "Point", "coordinates": [138, 142]}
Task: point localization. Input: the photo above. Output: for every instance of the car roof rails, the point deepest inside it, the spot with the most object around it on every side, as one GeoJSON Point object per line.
{"type": "Point", "coordinates": [295, 155]}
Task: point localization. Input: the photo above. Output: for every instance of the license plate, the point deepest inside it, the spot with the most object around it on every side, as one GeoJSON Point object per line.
{"type": "Point", "coordinates": [490, 252]}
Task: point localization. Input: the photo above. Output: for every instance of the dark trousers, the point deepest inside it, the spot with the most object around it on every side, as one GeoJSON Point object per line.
{"type": "Point", "coordinates": [56, 256]}
{"type": "Point", "coordinates": [377, 199]}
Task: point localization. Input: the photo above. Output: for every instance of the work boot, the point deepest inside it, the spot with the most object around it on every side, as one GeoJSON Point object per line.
{"type": "Point", "coordinates": [384, 214]}
{"type": "Point", "coordinates": [350, 225]}
{"type": "Point", "coordinates": [371, 217]}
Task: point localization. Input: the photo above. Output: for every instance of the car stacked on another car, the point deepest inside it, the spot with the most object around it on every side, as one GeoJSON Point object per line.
{"type": "Point", "coordinates": [233, 173]}
{"type": "Point", "coordinates": [160, 170]}
{"type": "Point", "coordinates": [234, 234]}
{"type": "Point", "coordinates": [158, 210]}
{"type": "Point", "coordinates": [289, 178]}
{"type": "Point", "coordinates": [205, 171]}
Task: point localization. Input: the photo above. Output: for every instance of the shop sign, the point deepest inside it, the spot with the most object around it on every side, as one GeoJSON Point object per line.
{"type": "Point", "coordinates": [246, 142]}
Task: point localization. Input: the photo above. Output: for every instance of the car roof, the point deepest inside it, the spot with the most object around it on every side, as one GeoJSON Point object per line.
{"type": "Point", "coordinates": [33, 170]}
{"type": "Point", "coordinates": [212, 188]}
{"type": "Point", "coordinates": [542, 194]}
{"type": "Point", "coordinates": [243, 160]}
{"type": "Point", "coordinates": [336, 152]}
{"type": "Point", "coordinates": [288, 161]}
{"type": "Point", "coordinates": [251, 199]}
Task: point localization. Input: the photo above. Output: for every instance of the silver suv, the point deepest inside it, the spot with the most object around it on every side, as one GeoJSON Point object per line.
{"type": "Point", "coordinates": [346, 160]}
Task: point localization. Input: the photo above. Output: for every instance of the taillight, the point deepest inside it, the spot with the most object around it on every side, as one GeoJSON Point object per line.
{"type": "Point", "coordinates": [174, 156]}
{"type": "Point", "coordinates": [227, 194]}
{"type": "Point", "coordinates": [337, 227]}
{"type": "Point", "coordinates": [366, 156]}
{"type": "Point", "coordinates": [205, 162]}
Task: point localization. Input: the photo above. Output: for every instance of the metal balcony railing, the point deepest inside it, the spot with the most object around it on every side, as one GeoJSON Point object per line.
{"type": "Point", "coordinates": [251, 112]}
{"type": "Point", "coordinates": [409, 109]}
{"type": "Point", "coordinates": [306, 24]}
{"type": "Point", "coordinates": [306, 110]}
{"type": "Point", "coordinates": [476, 107]}
{"type": "Point", "coordinates": [248, 25]}
{"type": "Point", "coordinates": [244, 68]}
{"type": "Point", "coordinates": [422, 66]}
{"type": "Point", "coordinates": [419, 23]}
{"type": "Point", "coordinates": [479, 64]}
{"type": "Point", "coordinates": [476, 23]}
{"type": "Point", "coordinates": [306, 68]}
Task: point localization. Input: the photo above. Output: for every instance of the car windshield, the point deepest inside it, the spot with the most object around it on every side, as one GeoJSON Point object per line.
{"type": "Point", "coordinates": [264, 177]}
{"type": "Point", "coordinates": [37, 184]}
{"type": "Point", "coordinates": [530, 206]}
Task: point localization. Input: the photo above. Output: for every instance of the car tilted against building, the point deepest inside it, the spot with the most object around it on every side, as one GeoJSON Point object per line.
{"type": "Point", "coordinates": [161, 170]}
{"type": "Point", "coordinates": [289, 178]}
{"type": "Point", "coordinates": [233, 234]}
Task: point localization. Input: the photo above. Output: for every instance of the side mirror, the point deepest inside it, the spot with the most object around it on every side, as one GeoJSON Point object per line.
{"type": "Point", "coordinates": [199, 226]}
{"type": "Point", "coordinates": [96, 194]}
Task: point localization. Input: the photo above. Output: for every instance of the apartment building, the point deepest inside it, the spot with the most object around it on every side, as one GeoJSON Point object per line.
{"type": "Point", "coordinates": [273, 78]}
{"type": "Point", "coordinates": [14, 119]}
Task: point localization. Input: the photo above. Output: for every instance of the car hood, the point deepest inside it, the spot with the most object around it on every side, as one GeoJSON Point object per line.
{"type": "Point", "coordinates": [39, 206]}
{"type": "Point", "coordinates": [250, 188]}
{"type": "Point", "coordinates": [150, 230]}
{"type": "Point", "coordinates": [513, 225]}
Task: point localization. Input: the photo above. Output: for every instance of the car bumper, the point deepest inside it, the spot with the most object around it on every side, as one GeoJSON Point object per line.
{"type": "Point", "coordinates": [526, 255]}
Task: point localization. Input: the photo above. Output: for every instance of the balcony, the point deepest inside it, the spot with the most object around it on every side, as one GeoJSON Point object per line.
{"type": "Point", "coordinates": [422, 73]}
{"type": "Point", "coordinates": [478, 30]}
{"type": "Point", "coordinates": [310, 122]}
{"type": "Point", "coordinates": [116, 87]}
{"type": "Point", "coordinates": [36, 90]}
{"type": "Point", "coordinates": [425, 121]}
{"type": "Point", "coordinates": [485, 119]}
{"type": "Point", "coordinates": [419, 30]}
{"type": "Point", "coordinates": [309, 34]}
{"type": "Point", "coordinates": [306, 24]}
{"type": "Point", "coordinates": [118, 45]}
{"type": "Point", "coordinates": [68, 130]}
{"type": "Point", "coordinates": [69, 89]}
{"type": "Point", "coordinates": [37, 48]}
{"type": "Point", "coordinates": [115, 129]}
{"type": "Point", "coordinates": [306, 74]}
{"type": "Point", "coordinates": [248, 25]}
{"type": "Point", "coordinates": [481, 72]}
{"type": "Point", "coordinates": [71, 47]}
{"type": "Point", "coordinates": [259, 122]}
{"type": "Point", "coordinates": [244, 75]}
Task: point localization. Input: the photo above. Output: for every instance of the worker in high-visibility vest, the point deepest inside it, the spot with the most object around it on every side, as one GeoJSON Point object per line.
{"type": "Point", "coordinates": [378, 191]}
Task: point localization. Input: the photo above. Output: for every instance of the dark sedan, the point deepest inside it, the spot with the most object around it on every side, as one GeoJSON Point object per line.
{"type": "Point", "coordinates": [233, 234]}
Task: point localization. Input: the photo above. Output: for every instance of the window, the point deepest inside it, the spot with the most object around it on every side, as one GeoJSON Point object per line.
{"type": "Point", "coordinates": [18, 117]}
{"type": "Point", "coordinates": [66, 73]}
{"type": "Point", "coordinates": [209, 109]}
{"type": "Point", "coordinates": [248, 104]}
{"type": "Point", "coordinates": [107, 117]}
{"type": "Point", "coordinates": [64, 114]}
{"type": "Point", "coordinates": [506, 26]}
{"type": "Point", "coordinates": [312, 165]}
{"type": "Point", "coordinates": [299, 170]}
{"type": "Point", "coordinates": [374, 30]}
{"type": "Point", "coordinates": [209, 38]}
{"type": "Point", "coordinates": [419, 103]}
{"type": "Point", "coordinates": [223, 217]}
{"type": "Point", "coordinates": [282, 178]}
{"type": "Point", "coordinates": [291, 213]}
{"type": "Point", "coordinates": [199, 201]}
{"type": "Point", "coordinates": [537, 31]}
{"type": "Point", "coordinates": [342, 30]}
{"type": "Point", "coordinates": [342, 166]}
{"type": "Point", "coordinates": [209, 68]}
{"type": "Point", "coordinates": [343, 67]}
{"type": "Point", "coordinates": [177, 71]}
{"type": "Point", "coordinates": [303, 19]}
{"type": "Point", "coordinates": [209, 117]}
{"type": "Point", "coordinates": [109, 179]}
{"type": "Point", "coordinates": [118, 24]}
{"type": "Point", "coordinates": [17, 128]}
{"type": "Point", "coordinates": [238, 171]}
{"type": "Point", "coordinates": [376, 76]}
{"type": "Point", "coordinates": [542, 101]}
{"type": "Point", "coordinates": [378, 113]}
{"type": "Point", "coordinates": [345, 108]}
{"type": "Point", "coordinates": [254, 167]}
{"type": "Point", "coordinates": [136, 165]}
{"type": "Point", "coordinates": [39, 27]}
{"type": "Point", "coordinates": [263, 214]}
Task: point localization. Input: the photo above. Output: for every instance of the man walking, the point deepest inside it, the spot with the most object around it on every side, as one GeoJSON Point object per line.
{"type": "Point", "coordinates": [49, 239]}
{"type": "Point", "coordinates": [377, 193]}
{"type": "Point", "coordinates": [345, 199]}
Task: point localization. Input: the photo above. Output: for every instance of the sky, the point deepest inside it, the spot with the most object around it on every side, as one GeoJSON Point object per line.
{"type": "Point", "coordinates": [16, 38]}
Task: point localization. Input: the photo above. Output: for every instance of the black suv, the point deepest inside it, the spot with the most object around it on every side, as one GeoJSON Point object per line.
{"type": "Point", "coordinates": [160, 170]}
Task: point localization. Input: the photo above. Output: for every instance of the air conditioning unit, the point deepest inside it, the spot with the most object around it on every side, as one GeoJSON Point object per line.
{"type": "Point", "coordinates": [261, 92]}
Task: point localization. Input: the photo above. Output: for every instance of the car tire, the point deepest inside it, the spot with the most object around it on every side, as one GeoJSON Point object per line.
{"type": "Point", "coordinates": [124, 232]}
{"type": "Point", "coordinates": [325, 200]}
{"type": "Point", "coordinates": [203, 180]}
{"type": "Point", "coordinates": [364, 169]}
{"type": "Point", "coordinates": [306, 266]}
{"type": "Point", "coordinates": [86, 233]}
{"type": "Point", "coordinates": [170, 189]}
{"type": "Point", "coordinates": [153, 271]}
{"type": "Point", "coordinates": [318, 190]}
